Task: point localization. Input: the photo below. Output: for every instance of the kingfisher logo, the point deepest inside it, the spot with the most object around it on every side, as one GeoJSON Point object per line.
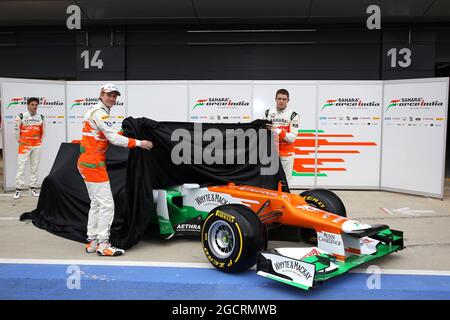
{"type": "Point", "coordinates": [351, 103]}
{"type": "Point", "coordinates": [414, 103]}
{"type": "Point", "coordinates": [15, 102]}
{"type": "Point", "coordinates": [43, 102]}
{"type": "Point", "coordinates": [220, 102]}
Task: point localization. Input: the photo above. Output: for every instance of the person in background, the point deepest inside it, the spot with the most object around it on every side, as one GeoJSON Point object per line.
{"type": "Point", "coordinates": [284, 123]}
{"type": "Point", "coordinates": [29, 131]}
{"type": "Point", "coordinates": [97, 133]}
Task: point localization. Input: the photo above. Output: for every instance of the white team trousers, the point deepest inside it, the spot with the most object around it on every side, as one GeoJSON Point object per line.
{"type": "Point", "coordinates": [288, 166]}
{"type": "Point", "coordinates": [33, 156]}
{"type": "Point", "coordinates": [101, 213]}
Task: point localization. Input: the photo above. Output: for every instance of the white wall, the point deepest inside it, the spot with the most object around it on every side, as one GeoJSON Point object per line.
{"type": "Point", "coordinates": [344, 139]}
{"type": "Point", "coordinates": [158, 100]}
{"type": "Point", "coordinates": [414, 136]}
{"type": "Point", "coordinates": [349, 124]}
{"type": "Point", "coordinates": [52, 106]}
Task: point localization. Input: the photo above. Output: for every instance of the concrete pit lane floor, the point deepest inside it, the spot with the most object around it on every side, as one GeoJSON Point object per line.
{"type": "Point", "coordinates": [35, 264]}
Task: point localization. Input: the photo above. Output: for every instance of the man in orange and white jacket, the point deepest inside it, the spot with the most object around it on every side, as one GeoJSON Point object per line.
{"type": "Point", "coordinates": [284, 124]}
{"type": "Point", "coordinates": [29, 131]}
{"type": "Point", "coordinates": [96, 135]}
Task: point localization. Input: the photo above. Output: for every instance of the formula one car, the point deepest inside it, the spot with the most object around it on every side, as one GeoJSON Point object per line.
{"type": "Point", "coordinates": [233, 222]}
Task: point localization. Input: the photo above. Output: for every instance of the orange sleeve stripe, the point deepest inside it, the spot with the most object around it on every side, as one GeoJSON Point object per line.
{"type": "Point", "coordinates": [131, 143]}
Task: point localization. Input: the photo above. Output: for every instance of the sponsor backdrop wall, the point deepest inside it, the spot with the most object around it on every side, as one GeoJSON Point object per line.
{"type": "Point", "coordinates": [224, 102]}
{"type": "Point", "coordinates": [52, 105]}
{"type": "Point", "coordinates": [349, 134]}
{"type": "Point", "coordinates": [81, 95]}
{"type": "Point", "coordinates": [344, 140]}
{"type": "Point", "coordinates": [414, 133]}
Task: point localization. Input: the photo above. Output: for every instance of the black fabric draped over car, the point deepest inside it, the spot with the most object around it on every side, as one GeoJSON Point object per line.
{"type": "Point", "coordinates": [63, 205]}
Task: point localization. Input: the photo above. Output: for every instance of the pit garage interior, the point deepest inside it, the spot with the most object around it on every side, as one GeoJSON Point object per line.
{"type": "Point", "coordinates": [225, 40]}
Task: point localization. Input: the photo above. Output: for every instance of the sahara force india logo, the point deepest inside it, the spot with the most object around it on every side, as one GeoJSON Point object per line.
{"type": "Point", "coordinates": [89, 102]}
{"type": "Point", "coordinates": [43, 102]}
{"type": "Point", "coordinates": [349, 102]}
{"type": "Point", "coordinates": [414, 103]}
{"type": "Point", "coordinates": [15, 102]}
{"type": "Point", "coordinates": [220, 102]}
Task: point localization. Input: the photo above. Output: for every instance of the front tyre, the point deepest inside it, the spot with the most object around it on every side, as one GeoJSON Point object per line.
{"type": "Point", "coordinates": [325, 200]}
{"type": "Point", "coordinates": [231, 236]}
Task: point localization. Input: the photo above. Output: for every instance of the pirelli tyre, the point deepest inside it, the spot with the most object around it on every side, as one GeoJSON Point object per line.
{"type": "Point", "coordinates": [325, 200]}
{"type": "Point", "coordinates": [231, 236]}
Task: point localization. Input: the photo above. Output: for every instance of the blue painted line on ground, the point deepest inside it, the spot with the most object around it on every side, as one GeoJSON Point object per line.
{"type": "Point", "coordinates": [46, 281]}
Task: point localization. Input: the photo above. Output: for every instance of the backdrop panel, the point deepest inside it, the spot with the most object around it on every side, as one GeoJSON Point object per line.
{"type": "Point", "coordinates": [220, 101]}
{"type": "Point", "coordinates": [51, 95]}
{"type": "Point", "coordinates": [158, 100]}
{"type": "Point", "coordinates": [370, 134]}
{"type": "Point", "coordinates": [414, 136]}
{"type": "Point", "coordinates": [303, 97]}
{"type": "Point", "coordinates": [349, 134]}
{"type": "Point", "coordinates": [81, 95]}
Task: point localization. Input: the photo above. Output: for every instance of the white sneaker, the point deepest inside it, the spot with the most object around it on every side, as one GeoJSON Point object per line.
{"type": "Point", "coordinates": [18, 194]}
{"type": "Point", "coordinates": [91, 246]}
{"type": "Point", "coordinates": [34, 192]}
{"type": "Point", "coordinates": [106, 249]}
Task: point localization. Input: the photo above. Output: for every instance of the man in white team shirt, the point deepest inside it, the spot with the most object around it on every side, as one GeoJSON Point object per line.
{"type": "Point", "coordinates": [97, 134]}
{"type": "Point", "coordinates": [29, 129]}
{"type": "Point", "coordinates": [284, 123]}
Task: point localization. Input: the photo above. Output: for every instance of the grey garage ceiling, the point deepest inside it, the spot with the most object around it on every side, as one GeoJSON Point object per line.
{"type": "Point", "coordinates": [114, 12]}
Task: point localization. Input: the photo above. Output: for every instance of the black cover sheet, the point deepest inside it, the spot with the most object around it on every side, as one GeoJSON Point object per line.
{"type": "Point", "coordinates": [63, 205]}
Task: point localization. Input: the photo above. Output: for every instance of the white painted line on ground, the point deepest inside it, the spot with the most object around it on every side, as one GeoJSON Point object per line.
{"type": "Point", "coordinates": [8, 218]}
{"type": "Point", "coordinates": [407, 211]}
{"type": "Point", "coordinates": [109, 263]}
{"type": "Point", "coordinates": [400, 209]}
{"type": "Point", "coordinates": [385, 210]}
{"type": "Point", "coordinates": [7, 195]}
{"type": "Point", "coordinates": [204, 265]}
{"type": "Point", "coordinates": [406, 272]}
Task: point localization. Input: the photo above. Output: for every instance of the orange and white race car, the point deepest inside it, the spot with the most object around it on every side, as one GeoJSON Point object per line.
{"type": "Point", "coordinates": [233, 223]}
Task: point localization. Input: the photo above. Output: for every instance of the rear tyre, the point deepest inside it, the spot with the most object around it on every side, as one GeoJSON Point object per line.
{"type": "Point", "coordinates": [231, 236]}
